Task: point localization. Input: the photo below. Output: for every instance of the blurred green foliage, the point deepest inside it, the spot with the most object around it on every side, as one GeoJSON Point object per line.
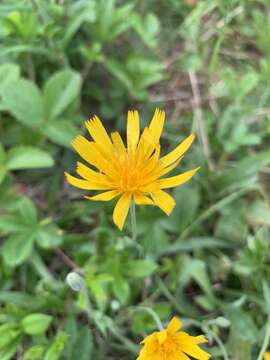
{"type": "Point", "coordinates": [207, 63]}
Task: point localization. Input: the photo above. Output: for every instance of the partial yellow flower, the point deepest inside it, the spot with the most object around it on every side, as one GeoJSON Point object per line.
{"type": "Point", "coordinates": [169, 344]}
{"type": "Point", "coordinates": [266, 356]}
{"type": "Point", "coordinates": [133, 172]}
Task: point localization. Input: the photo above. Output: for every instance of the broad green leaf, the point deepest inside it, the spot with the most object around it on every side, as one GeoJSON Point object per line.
{"type": "Point", "coordinates": [258, 213]}
{"type": "Point", "coordinates": [27, 157]}
{"type": "Point", "coordinates": [24, 101]}
{"type": "Point", "coordinates": [28, 211]}
{"type": "Point", "coordinates": [17, 248]}
{"type": "Point", "coordinates": [8, 352]}
{"type": "Point", "coordinates": [8, 332]}
{"type": "Point", "coordinates": [34, 324]}
{"type": "Point", "coordinates": [11, 224]}
{"type": "Point", "coordinates": [49, 236]}
{"type": "Point", "coordinates": [242, 324]}
{"type": "Point", "coordinates": [83, 346]}
{"type": "Point", "coordinates": [196, 243]}
{"type": "Point", "coordinates": [244, 174]}
{"type": "Point", "coordinates": [3, 172]}
{"type": "Point", "coordinates": [34, 352]}
{"type": "Point", "coordinates": [118, 70]}
{"type": "Point", "coordinates": [140, 268]}
{"type": "Point", "coordinates": [187, 200]}
{"type": "Point", "coordinates": [60, 91]}
{"type": "Point", "coordinates": [60, 132]}
{"type": "Point", "coordinates": [97, 289]}
{"type": "Point", "coordinates": [55, 350]}
{"type": "Point", "coordinates": [8, 73]}
{"type": "Point", "coordinates": [196, 269]}
{"type": "Point", "coordinates": [121, 289]}
{"type": "Point", "coordinates": [147, 28]}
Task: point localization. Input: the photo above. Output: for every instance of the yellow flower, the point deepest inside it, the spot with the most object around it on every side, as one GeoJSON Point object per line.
{"type": "Point", "coordinates": [133, 172]}
{"type": "Point", "coordinates": [169, 344]}
{"type": "Point", "coordinates": [266, 356]}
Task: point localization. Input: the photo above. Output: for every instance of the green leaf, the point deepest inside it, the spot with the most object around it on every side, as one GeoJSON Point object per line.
{"type": "Point", "coordinates": [28, 211]}
{"type": "Point", "coordinates": [34, 324]}
{"type": "Point", "coordinates": [8, 352]}
{"type": "Point", "coordinates": [117, 69]}
{"type": "Point", "coordinates": [196, 243]}
{"type": "Point", "coordinates": [60, 91]}
{"type": "Point", "coordinates": [242, 324]}
{"type": "Point", "coordinates": [11, 224]}
{"type": "Point", "coordinates": [27, 157]}
{"type": "Point", "coordinates": [147, 29]}
{"type": "Point", "coordinates": [57, 347]}
{"type": "Point", "coordinates": [266, 294]}
{"type": "Point", "coordinates": [8, 73]}
{"type": "Point", "coordinates": [187, 200]}
{"type": "Point", "coordinates": [3, 169]}
{"type": "Point", "coordinates": [18, 248]}
{"type": "Point", "coordinates": [121, 289]}
{"type": "Point", "coordinates": [60, 132]}
{"type": "Point", "coordinates": [24, 101]}
{"type": "Point", "coordinates": [34, 352]}
{"type": "Point", "coordinates": [140, 268]}
{"type": "Point", "coordinates": [83, 345]}
{"type": "Point", "coordinates": [8, 332]}
{"type": "Point", "coordinates": [49, 236]}
{"type": "Point", "coordinates": [196, 269]}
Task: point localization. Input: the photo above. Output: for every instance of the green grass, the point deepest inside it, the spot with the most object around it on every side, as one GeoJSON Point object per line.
{"type": "Point", "coordinates": [207, 64]}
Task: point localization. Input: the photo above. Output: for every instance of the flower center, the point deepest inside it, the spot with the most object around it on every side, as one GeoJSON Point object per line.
{"type": "Point", "coordinates": [129, 174]}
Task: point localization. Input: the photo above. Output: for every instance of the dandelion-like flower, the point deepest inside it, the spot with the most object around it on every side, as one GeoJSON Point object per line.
{"type": "Point", "coordinates": [133, 172]}
{"type": "Point", "coordinates": [266, 356]}
{"type": "Point", "coordinates": [169, 344]}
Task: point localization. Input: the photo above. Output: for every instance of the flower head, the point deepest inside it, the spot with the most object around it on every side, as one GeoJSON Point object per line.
{"type": "Point", "coordinates": [266, 356]}
{"type": "Point", "coordinates": [169, 344]}
{"type": "Point", "coordinates": [131, 172]}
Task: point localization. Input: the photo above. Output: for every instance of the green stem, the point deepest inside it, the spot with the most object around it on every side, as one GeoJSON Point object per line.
{"type": "Point", "coordinates": [266, 339]}
{"type": "Point", "coordinates": [152, 313]}
{"type": "Point", "coordinates": [133, 221]}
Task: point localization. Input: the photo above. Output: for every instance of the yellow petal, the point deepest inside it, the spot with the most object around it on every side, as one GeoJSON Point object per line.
{"type": "Point", "coordinates": [118, 143]}
{"type": "Point", "coordinates": [169, 168]}
{"type": "Point", "coordinates": [82, 146]}
{"type": "Point", "coordinates": [162, 336]}
{"type": "Point", "coordinates": [133, 129]}
{"type": "Point", "coordinates": [85, 184]}
{"type": "Point", "coordinates": [156, 125]}
{"type": "Point", "coordinates": [105, 196]}
{"type": "Point", "coordinates": [164, 201]}
{"type": "Point", "coordinates": [121, 210]}
{"type": "Point", "coordinates": [89, 151]}
{"type": "Point", "coordinates": [266, 356]}
{"type": "Point", "coordinates": [98, 132]}
{"type": "Point", "coordinates": [177, 180]}
{"type": "Point", "coordinates": [195, 352]}
{"type": "Point", "coordinates": [178, 151]}
{"type": "Point", "coordinates": [141, 199]}
{"type": "Point", "coordinates": [174, 325]}
{"type": "Point", "coordinates": [146, 146]}
{"type": "Point", "coordinates": [201, 339]}
{"type": "Point", "coordinates": [89, 174]}
{"type": "Point", "coordinates": [183, 356]}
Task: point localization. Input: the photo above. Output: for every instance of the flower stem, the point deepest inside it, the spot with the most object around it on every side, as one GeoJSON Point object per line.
{"type": "Point", "coordinates": [266, 339]}
{"type": "Point", "coordinates": [133, 221]}
{"type": "Point", "coordinates": [152, 313]}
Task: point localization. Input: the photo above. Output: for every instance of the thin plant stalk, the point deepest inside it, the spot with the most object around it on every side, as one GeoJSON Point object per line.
{"type": "Point", "coordinates": [133, 221]}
